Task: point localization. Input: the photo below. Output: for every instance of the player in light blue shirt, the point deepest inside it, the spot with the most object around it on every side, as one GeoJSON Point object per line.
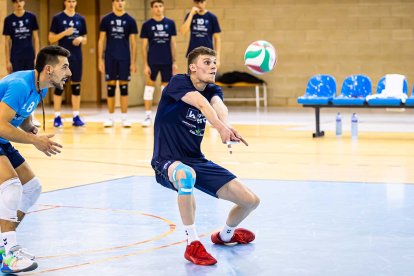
{"type": "Point", "coordinates": [20, 93]}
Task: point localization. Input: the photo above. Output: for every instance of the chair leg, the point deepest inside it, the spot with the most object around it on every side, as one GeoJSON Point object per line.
{"type": "Point", "coordinates": [257, 96]}
{"type": "Point", "coordinates": [318, 132]}
{"type": "Point", "coordinates": [264, 94]}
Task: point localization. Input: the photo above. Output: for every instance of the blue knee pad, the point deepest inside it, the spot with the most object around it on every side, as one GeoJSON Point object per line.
{"type": "Point", "coordinates": [185, 185]}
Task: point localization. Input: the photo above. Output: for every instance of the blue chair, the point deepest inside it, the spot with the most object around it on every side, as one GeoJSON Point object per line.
{"type": "Point", "coordinates": [320, 90]}
{"type": "Point", "coordinates": [354, 90]}
{"type": "Point", "coordinates": [410, 100]}
{"type": "Point", "coordinates": [387, 101]}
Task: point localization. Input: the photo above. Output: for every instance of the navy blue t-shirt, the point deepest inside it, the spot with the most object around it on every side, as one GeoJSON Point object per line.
{"type": "Point", "coordinates": [61, 22]}
{"type": "Point", "coordinates": [202, 29]}
{"type": "Point", "coordinates": [20, 30]}
{"type": "Point", "coordinates": [118, 29]}
{"type": "Point", "coordinates": [159, 35]}
{"type": "Point", "coordinates": [179, 127]}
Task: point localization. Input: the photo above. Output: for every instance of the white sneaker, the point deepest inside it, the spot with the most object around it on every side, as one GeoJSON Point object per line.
{"type": "Point", "coordinates": [146, 122]}
{"type": "Point", "coordinates": [109, 123]}
{"type": "Point", "coordinates": [126, 123]}
{"type": "Point", "coordinates": [36, 122]}
{"type": "Point", "coordinates": [17, 261]}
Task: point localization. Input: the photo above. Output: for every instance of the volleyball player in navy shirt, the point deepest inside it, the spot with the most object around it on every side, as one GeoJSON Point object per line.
{"type": "Point", "coordinates": [68, 28]}
{"type": "Point", "coordinates": [187, 102]}
{"type": "Point", "coordinates": [204, 28]}
{"type": "Point", "coordinates": [21, 31]}
{"type": "Point", "coordinates": [158, 53]}
{"type": "Point", "coordinates": [119, 30]}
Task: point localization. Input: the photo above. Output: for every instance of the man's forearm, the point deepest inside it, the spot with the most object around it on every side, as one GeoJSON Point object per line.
{"type": "Point", "coordinates": [9, 132]}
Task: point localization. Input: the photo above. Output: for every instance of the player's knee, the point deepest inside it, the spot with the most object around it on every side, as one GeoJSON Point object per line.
{"type": "Point", "coordinates": [31, 193]}
{"type": "Point", "coordinates": [149, 93]}
{"type": "Point", "coordinates": [10, 197]}
{"type": "Point", "coordinates": [58, 92]}
{"type": "Point", "coordinates": [184, 178]}
{"type": "Point", "coordinates": [124, 89]}
{"type": "Point", "coordinates": [75, 89]}
{"type": "Point", "coordinates": [111, 90]}
{"type": "Point", "coordinates": [252, 202]}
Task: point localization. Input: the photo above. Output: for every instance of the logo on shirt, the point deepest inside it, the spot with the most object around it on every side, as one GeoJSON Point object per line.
{"type": "Point", "coordinates": [160, 27]}
{"type": "Point", "coordinates": [192, 114]}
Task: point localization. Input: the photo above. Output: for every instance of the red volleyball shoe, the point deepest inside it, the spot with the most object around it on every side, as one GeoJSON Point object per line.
{"type": "Point", "coordinates": [197, 254]}
{"type": "Point", "coordinates": [241, 235]}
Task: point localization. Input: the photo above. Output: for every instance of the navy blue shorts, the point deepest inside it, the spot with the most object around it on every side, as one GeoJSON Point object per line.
{"type": "Point", "coordinates": [75, 67]}
{"type": "Point", "coordinates": [117, 69]}
{"type": "Point", "coordinates": [13, 154]}
{"type": "Point", "coordinates": [22, 64]}
{"type": "Point", "coordinates": [166, 72]}
{"type": "Point", "coordinates": [210, 177]}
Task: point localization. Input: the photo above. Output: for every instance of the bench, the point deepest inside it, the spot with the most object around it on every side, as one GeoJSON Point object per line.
{"type": "Point", "coordinates": [356, 93]}
{"type": "Point", "coordinates": [256, 87]}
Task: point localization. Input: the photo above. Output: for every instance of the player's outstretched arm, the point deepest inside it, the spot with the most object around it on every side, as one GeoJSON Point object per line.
{"type": "Point", "coordinates": [9, 132]}
{"type": "Point", "coordinates": [223, 114]}
{"type": "Point", "coordinates": [200, 102]}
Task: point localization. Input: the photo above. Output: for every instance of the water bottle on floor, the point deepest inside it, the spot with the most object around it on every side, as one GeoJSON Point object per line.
{"type": "Point", "coordinates": [338, 126]}
{"type": "Point", "coordinates": [354, 126]}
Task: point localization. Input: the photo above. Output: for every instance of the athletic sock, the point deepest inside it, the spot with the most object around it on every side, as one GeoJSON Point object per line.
{"type": "Point", "coordinates": [227, 233]}
{"type": "Point", "coordinates": [191, 233]}
{"type": "Point", "coordinates": [148, 113]}
{"type": "Point", "coordinates": [57, 114]}
{"type": "Point", "coordinates": [75, 113]}
{"type": "Point", "coordinates": [9, 240]}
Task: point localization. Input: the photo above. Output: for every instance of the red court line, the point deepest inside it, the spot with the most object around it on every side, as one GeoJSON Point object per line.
{"type": "Point", "coordinates": [171, 225]}
{"type": "Point", "coordinates": [113, 258]}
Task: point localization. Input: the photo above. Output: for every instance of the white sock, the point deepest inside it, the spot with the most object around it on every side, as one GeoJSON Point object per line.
{"type": "Point", "coordinates": [123, 116]}
{"type": "Point", "coordinates": [227, 233]}
{"type": "Point", "coordinates": [57, 114]}
{"type": "Point", "coordinates": [191, 233]}
{"type": "Point", "coordinates": [75, 113]}
{"type": "Point", "coordinates": [148, 113]}
{"type": "Point", "coordinates": [9, 240]}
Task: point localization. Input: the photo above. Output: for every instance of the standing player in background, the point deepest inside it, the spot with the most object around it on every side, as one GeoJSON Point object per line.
{"type": "Point", "coordinates": [158, 53]}
{"type": "Point", "coordinates": [20, 31]}
{"type": "Point", "coordinates": [20, 93]}
{"type": "Point", "coordinates": [204, 29]}
{"type": "Point", "coordinates": [119, 30]}
{"type": "Point", "coordinates": [186, 104]}
{"type": "Point", "coordinates": [69, 30]}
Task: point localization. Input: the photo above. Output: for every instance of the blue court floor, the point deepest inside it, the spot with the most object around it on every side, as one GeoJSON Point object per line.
{"type": "Point", "coordinates": [131, 226]}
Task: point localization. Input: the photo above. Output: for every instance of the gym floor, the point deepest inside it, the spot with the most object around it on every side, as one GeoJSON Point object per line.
{"type": "Point", "coordinates": [329, 206]}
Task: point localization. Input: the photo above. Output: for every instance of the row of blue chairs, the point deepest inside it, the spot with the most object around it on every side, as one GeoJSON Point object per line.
{"type": "Point", "coordinates": [321, 90]}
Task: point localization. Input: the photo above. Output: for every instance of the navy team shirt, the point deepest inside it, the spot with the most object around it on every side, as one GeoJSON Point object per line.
{"type": "Point", "coordinates": [202, 29]}
{"type": "Point", "coordinates": [19, 92]}
{"type": "Point", "coordinates": [20, 30]}
{"type": "Point", "coordinates": [159, 35]}
{"type": "Point", "coordinates": [61, 22]}
{"type": "Point", "coordinates": [118, 29]}
{"type": "Point", "coordinates": [179, 127]}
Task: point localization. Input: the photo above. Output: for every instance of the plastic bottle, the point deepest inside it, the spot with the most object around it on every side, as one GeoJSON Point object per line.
{"type": "Point", "coordinates": [338, 126]}
{"type": "Point", "coordinates": [354, 126]}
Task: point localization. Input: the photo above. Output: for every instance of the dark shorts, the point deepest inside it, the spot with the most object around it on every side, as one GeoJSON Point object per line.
{"type": "Point", "coordinates": [75, 67]}
{"type": "Point", "coordinates": [117, 69]}
{"type": "Point", "coordinates": [12, 154]}
{"type": "Point", "coordinates": [210, 177]}
{"type": "Point", "coordinates": [22, 64]}
{"type": "Point", "coordinates": [166, 72]}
